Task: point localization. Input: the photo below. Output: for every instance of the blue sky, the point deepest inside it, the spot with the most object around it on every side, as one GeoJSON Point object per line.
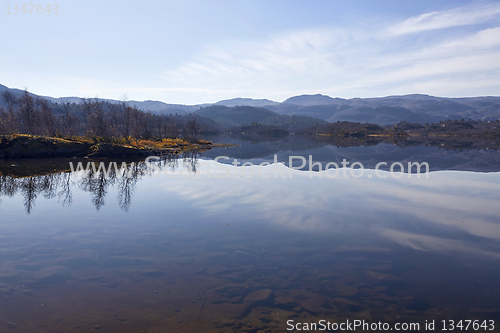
{"type": "Point", "coordinates": [193, 52]}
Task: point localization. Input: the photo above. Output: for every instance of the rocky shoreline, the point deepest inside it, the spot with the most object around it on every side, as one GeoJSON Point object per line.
{"type": "Point", "coordinates": [35, 147]}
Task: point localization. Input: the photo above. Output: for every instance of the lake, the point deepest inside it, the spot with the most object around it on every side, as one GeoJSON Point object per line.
{"type": "Point", "coordinates": [204, 249]}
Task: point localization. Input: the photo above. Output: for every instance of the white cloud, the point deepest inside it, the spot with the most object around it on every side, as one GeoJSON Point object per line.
{"type": "Point", "coordinates": [340, 205]}
{"type": "Point", "coordinates": [466, 15]}
{"type": "Point", "coordinates": [284, 54]}
{"type": "Point", "coordinates": [355, 62]}
{"type": "Point", "coordinates": [440, 245]}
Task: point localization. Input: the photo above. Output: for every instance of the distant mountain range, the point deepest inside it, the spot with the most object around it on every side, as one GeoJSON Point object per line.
{"type": "Point", "coordinates": [382, 111]}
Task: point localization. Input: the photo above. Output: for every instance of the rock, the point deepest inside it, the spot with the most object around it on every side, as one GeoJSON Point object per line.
{"type": "Point", "coordinates": [9, 276]}
{"type": "Point", "coordinates": [311, 304]}
{"type": "Point", "coordinates": [12, 325]}
{"type": "Point", "coordinates": [52, 275]}
{"type": "Point", "coordinates": [352, 248]}
{"type": "Point", "coordinates": [417, 304]}
{"type": "Point", "coordinates": [114, 262]}
{"type": "Point", "coordinates": [367, 292]}
{"type": "Point", "coordinates": [380, 267]}
{"type": "Point", "coordinates": [245, 258]}
{"type": "Point", "coordinates": [384, 297]}
{"type": "Point", "coordinates": [346, 290]}
{"type": "Point", "coordinates": [151, 272]}
{"type": "Point", "coordinates": [79, 260]}
{"type": "Point", "coordinates": [182, 260]}
{"type": "Point", "coordinates": [477, 310]}
{"type": "Point", "coordinates": [27, 291]}
{"type": "Point", "coordinates": [217, 258]}
{"type": "Point", "coordinates": [375, 277]}
{"type": "Point", "coordinates": [258, 295]}
{"type": "Point", "coordinates": [285, 300]}
{"type": "Point", "coordinates": [109, 284]}
{"type": "Point", "coordinates": [228, 322]}
{"type": "Point", "coordinates": [345, 301]}
{"type": "Point", "coordinates": [29, 266]}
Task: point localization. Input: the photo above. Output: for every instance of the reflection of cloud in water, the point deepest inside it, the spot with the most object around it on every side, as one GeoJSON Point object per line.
{"type": "Point", "coordinates": [461, 205]}
{"type": "Point", "coordinates": [438, 244]}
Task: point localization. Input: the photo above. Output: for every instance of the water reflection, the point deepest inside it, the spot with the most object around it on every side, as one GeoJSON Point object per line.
{"type": "Point", "coordinates": [200, 253]}
{"type": "Point", "coordinates": [483, 157]}
{"type": "Point", "coordinates": [61, 185]}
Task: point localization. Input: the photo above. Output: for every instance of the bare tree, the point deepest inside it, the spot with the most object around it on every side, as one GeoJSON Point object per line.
{"type": "Point", "coordinates": [99, 119]}
{"type": "Point", "coordinates": [8, 124]}
{"type": "Point", "coordinates": [69, 122]}
{"type": "Point", "coordinates": [47, 117]}
{"type": "Point", "coordinates": [191, 130]}
{"type": "Point", "coordinates": [27, 113]}
{"type": "Point", "coordinates": [172, 128]}
{"type": "Point", "coordinates": [10, 99]}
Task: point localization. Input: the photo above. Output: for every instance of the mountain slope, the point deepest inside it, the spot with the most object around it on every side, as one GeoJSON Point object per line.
{"type": "Point", "coordinates": [383, 110]}
{"type": "Point", "coordinates": [306, 100]}
{"type": "Point", "coordinates": [392, 109]}
{"type": "Point", "coordinates": [235, 116]}
{"type": "Point", "coordinates": [247, 102]}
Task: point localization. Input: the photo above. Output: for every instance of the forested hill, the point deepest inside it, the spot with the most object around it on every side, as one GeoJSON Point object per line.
{"type": "Point", "coordinates": [25, 113]}
{"type": "Point", "coordinates": [245, 115]}
{"type": "Point", "coordinates": [382, 111]}
{"type": "Point", "coordinates": [236, 116]}
{"type": "Point", "coordinates": [392, 109]}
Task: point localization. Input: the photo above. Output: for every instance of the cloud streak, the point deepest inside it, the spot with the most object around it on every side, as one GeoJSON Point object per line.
{"type": "Point", "coordinates": [467, 15]}
{"type": "Point", "coordinates": [370, 61]}
{"type": "Point", "coordinates": [385, 207]}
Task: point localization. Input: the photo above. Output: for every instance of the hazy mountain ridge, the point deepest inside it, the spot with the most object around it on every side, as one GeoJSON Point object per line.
{"type": "Point", "coordinates": [237, 115]}
{"type": "Point", "coordinates": [381, 110]}
{"type": "Point", "coordinates": [245, 115]}
{"type": "Point", "coordinates": [392, 109]}
{"type": "Point", "coordinates": [247, 102]}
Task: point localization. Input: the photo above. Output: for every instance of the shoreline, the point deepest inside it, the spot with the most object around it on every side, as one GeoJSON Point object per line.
{"type": "Point", "coordinates": [23, 146]}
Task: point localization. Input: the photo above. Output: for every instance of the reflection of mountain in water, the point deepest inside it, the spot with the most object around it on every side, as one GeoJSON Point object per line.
{"type": "Point", "coordinates": [60, 185]}
{"type": "Point", "coordinates": [478, 157]}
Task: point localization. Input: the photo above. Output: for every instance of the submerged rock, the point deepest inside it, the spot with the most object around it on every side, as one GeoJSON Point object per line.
{"type": "Point", "coordinates": [245, 258]}
{"type": "Point", "coordinates": [346, 290]}
{"type": "Point", "coordinates": [380, 277]}
{"type": "Point", "coordinates": [258, 295]}
{"type": "Point", "coordinates": [285, 300]}
{"type": "Point", "coordinates": [151, 272]}
{"type": "Point", "coordinates": [52, 275]}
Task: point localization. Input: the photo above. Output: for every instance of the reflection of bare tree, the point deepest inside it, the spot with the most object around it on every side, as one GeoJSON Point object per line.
{"type": "Point", "coordinates": [96, 183]}
{"type": "Point", "coordinates": [126, 186]}
{"type": "Point", "coordinates": [28, 188]}
{"type": "Point", "coordinates": [65, 189]}
{"type": "Point", "coordinates": [190, 160]}
{"type": "Point", "coordinates": [9, 186]}
{"type": "Point", "coordinates": [50, 184]}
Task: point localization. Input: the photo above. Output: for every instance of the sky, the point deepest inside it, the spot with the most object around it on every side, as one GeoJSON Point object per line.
{"type": "Point", "coordinates": [191, 52]}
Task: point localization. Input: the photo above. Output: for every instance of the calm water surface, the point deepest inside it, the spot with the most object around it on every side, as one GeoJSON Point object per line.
{"type": "Point", "coordinates": [236, 254]}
